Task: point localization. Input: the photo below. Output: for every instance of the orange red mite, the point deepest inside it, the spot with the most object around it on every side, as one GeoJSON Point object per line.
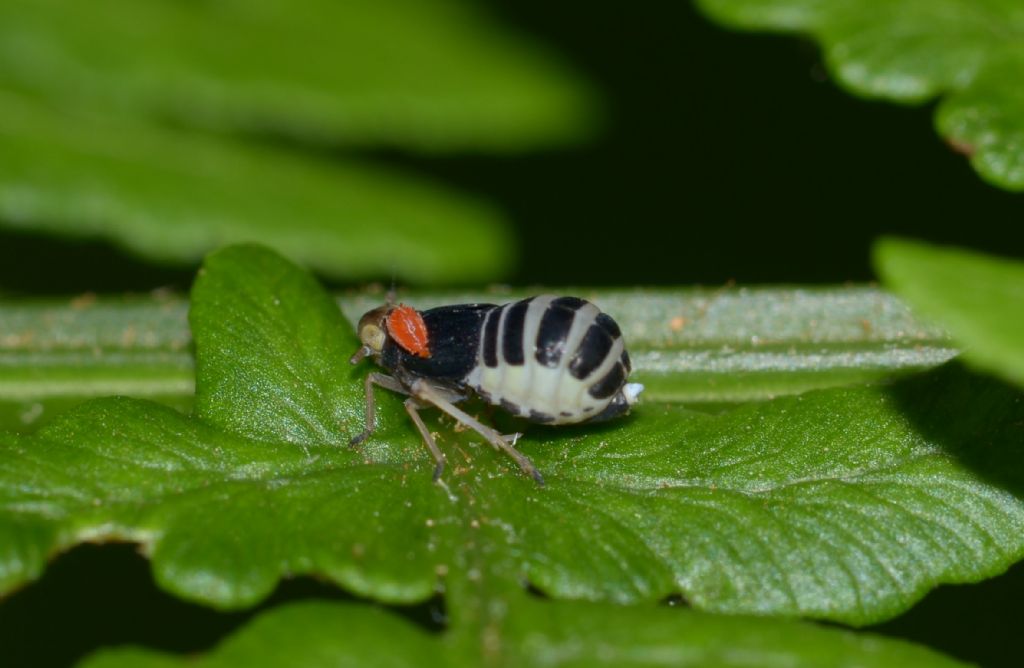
{"type": "Point", "coordinates": [405, 325]}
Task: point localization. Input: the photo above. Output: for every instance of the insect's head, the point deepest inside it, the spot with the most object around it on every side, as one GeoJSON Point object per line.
{"type": "Point", "coordinates": [402, 324]}
{"type": "Point", "coordinates": [372, 331]}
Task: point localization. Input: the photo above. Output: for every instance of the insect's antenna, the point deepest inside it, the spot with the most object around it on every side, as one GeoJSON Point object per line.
{"type": "Point", "coordinates": [392, 292]}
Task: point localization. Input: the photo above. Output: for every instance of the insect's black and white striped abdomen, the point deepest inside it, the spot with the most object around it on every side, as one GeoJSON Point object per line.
{"type": "Point", "coordinates": [556, 360]}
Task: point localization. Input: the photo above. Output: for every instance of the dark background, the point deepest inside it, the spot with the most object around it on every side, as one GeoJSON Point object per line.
{"type": "Point", "coordinates": [729, 156]}
{"type": "Point", "coordinates": [725, 157]}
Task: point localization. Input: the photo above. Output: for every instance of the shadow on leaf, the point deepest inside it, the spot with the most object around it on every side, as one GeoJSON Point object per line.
{"type": "Point", "coordinates": [976, 418]}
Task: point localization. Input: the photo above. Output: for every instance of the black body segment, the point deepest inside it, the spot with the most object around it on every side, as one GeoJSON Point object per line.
{"type": "Point", "coordinates": [592, 351]}
{"type": "Point", "coordinates": [553, 332]}
{"type": "Point", "coordinates": [453, 336]}
{"type": "Point", "coordinates": [512, 333]}
{"type": "Point", "coordinates": [540, 418]}
{"type": "Point", "coordinates": [605, 322]}
{"type": "Point", "coordinates": [610, 384]}
{"type": "Point", "coordinates": [572, 303]}
{"type": "Point", "coordinates": [617, 407]}
{"type": "Point", "coordinates": [490, 347]}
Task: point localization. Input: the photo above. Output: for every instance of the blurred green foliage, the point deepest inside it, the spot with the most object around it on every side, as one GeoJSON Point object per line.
{"type": "Point", "coordinates": [173, 127]}
{"type": "Point", "coordinates": [978, 297]}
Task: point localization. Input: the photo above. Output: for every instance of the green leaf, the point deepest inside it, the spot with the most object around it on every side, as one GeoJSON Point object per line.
{"type": "Point", "coordinates": [967, 51]}
{"type": "Point", "coordinates": [293, 332]}
{"type": "Point", "coordinates": [979, 298]}
{"type": "Point", "coordinates": [711, 347]}
{"type": "Point", "coordinates": [173, 195]}
{"type": "Point", "coordinates": [534, 633]}
{"type": "Point", "coordinates": [55, 354]}
{"type": "Point", "coordinates": [984, 122]}
{"type": "Point", "coordinates": [431, 74]}
{"type": "Point", "coordinates": [845, 504]}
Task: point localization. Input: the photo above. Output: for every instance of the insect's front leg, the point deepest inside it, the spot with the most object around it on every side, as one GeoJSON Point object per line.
{"type": "Point", "coordinates": [388, 383]}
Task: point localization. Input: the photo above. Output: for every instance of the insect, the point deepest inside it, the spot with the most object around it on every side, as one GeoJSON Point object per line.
{"type": "Point", "coordinates": [546, 359]}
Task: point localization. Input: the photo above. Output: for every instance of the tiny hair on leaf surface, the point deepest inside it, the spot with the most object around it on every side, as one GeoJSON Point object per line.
{"type": "Point", "coordinates": [846, 504]}
{"type": "Point", "coordinates": [979, 298]}
{"type": "Point", "coordinates": [968, 52]}
{"type": "Point", "coordinates": [521, 632]}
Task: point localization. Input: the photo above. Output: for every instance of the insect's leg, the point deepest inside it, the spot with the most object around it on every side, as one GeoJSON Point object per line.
{"type": "Point", "coordinates": [425, 392]}
{"type": "Point", "coordinates": [411, 406]}
{"type": "Point", "coordinates": [388, 383]}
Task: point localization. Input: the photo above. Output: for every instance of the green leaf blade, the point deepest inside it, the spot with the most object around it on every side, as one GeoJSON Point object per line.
{"type": "Point", "coordinates": [844, 504]}
{"type": "Point", "coordinates": [536, 633]}
{"type": "Point", "coordinates": [984, 123]}
{"type": "Point", "coordinates": [222, 518]}
{"type": "Point", "coordinates": [830, 504]}
{"type": "Point", "coordinates": [250, 309]}
{"type": "Point", "coordinates": [980, 299]}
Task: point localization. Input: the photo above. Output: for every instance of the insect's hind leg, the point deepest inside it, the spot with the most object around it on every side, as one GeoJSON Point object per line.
{"type": "Point", "coordinates": [388, 383]}
{"type": "Point", "coordinates": [412, 407]}
{"type": "Point", "coordinates": [423, 391]}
